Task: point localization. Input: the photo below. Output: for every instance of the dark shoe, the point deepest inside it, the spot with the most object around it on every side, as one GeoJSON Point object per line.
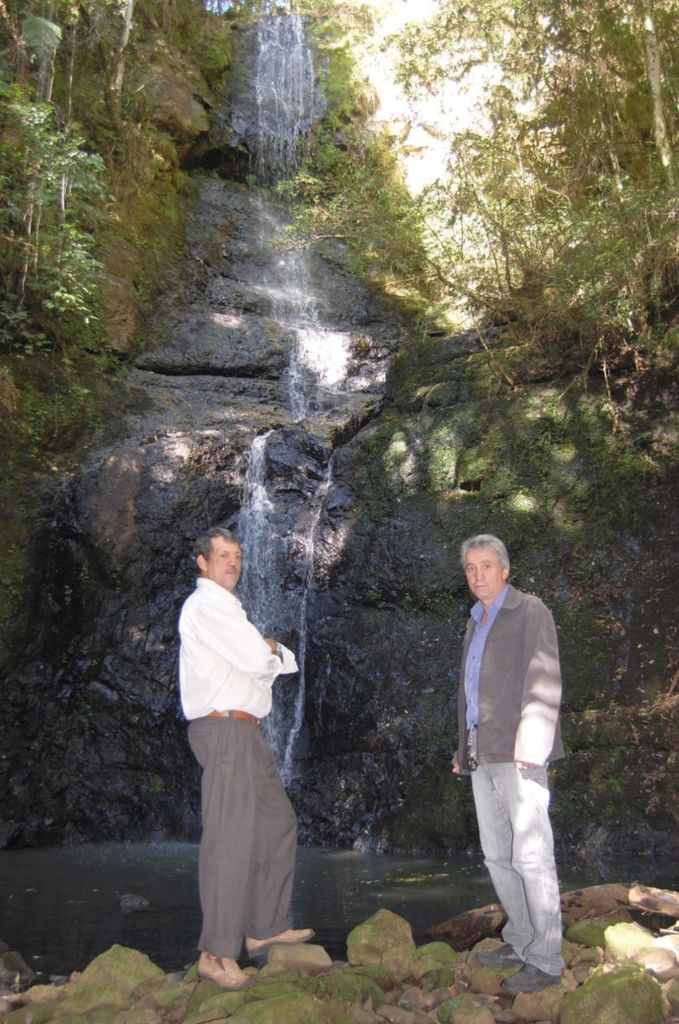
{"type": "Point", "coordinates": [530, 979]}
{"type": "Point", "coordinates": [505, 956]}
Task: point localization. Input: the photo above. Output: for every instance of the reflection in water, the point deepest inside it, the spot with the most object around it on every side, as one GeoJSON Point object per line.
{"type": "Point", "coordinates": [59, 906]}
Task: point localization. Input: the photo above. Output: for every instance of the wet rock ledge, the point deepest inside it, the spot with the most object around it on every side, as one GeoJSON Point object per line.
{"type": "Point", "coordinates": [617, 972]}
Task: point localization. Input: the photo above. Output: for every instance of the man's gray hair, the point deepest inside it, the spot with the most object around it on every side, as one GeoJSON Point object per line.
{"type": "Point", "coordinates": [203, 545]}
{"type": "Point", "coordinates": [485, 540]}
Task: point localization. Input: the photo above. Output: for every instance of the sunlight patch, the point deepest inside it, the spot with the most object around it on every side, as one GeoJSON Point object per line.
{"type": "Point", "coordinates": [523, 503]}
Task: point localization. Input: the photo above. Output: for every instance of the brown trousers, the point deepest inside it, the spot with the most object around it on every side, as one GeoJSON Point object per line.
{"type": "Point", "coordinates": [246, 864]}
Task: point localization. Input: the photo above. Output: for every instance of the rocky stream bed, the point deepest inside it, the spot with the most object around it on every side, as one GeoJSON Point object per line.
{"type": "Point", "coordinates": [617, 972]}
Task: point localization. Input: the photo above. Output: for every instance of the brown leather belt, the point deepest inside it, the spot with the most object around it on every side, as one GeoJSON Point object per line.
{"type": "Point", "coordinates": [245, 715]}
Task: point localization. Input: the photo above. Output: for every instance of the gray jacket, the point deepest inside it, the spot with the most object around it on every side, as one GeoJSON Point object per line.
{"type": "Point", "coordinates": [519, 686]}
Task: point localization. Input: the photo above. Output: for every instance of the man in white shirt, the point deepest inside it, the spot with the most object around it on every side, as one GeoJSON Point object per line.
{"type": "Point", "coordinates": [249, 843]}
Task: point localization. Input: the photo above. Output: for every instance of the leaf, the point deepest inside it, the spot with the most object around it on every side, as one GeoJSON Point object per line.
{"type": "Point", "coordinates": [42, 36]}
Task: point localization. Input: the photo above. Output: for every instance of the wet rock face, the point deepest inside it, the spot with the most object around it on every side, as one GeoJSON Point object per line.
{"type": "Point", "coordinates": [94, 696]}
{"type": "Point", "coordinates": [267, 112]}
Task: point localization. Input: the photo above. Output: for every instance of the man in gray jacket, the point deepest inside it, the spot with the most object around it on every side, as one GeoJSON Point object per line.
{"type": "Point", "coordinates": [510, 693]}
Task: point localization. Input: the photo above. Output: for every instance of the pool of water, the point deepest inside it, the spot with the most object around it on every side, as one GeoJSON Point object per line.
{"type": "Point", "coordinates": [60, 906]}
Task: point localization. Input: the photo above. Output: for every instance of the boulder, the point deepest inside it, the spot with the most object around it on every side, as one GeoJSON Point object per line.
{"type": "Point", "coordinates": [293, 1008]}
{"type": "Point", "coordinates": [384, 939]}
{"type": "Point", "coordinates": [624, 939]}
{"type": "Point", "coordinates": [346, 988]}
{"type": "Point", "coordinates": [177, 104]}
{"type": "Point", "coordinates": [538, 1006]}
{"type": "Point", "coordinates": [672, 994]}
{"type": "Point", "coordinates": [592, 931]}
{"type": "Point", "coordinates": [624, 996]}
{"type": "Point", "coordinates": [110, 981]}
{"type": "Point", "coordinates": [658, 960]}
{"type": "Point", "coordinates": [229, 344]}
{"type": "Point", "coordinates": [34, 1013]}
{"type": "Point", "coordinates": [433, 956]}
{"type": "Point", "coordinates": [208, 999]}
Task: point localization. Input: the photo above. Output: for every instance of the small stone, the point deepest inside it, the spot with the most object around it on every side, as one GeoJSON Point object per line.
{"type": "Point", "coordinates": [301, 956]}
{"type": "Point", "coordinates": [538, 1006]}
{"type": "Point", "coordinates": [130, 904]}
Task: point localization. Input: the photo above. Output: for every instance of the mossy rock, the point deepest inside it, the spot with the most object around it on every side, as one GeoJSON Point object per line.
{"type": "Point", "coordinates": [345, 987]}
{"type": "Point", "coordinates": [462, 1008]}
{"type": "Point", "coordinates": [384, 939]}
{"type": "Point", "coordinates": [272, 989]}
{"type": "Point", "coordinates": [44, 993]}
{"type": "Point", "coordinates": [209, 998]}
{"type": "Point", "coordinates": [167, 996]}
{"type": "Point", "coordinates": [98, 996]}
{"type": "Point", "coordinates": [626, 937]}
{"type": "Point", "coordinates": [382, 976]}
{"type": "Point", "coordinates": [672, 993]}
{"type": "Point", "coordinates": [592, 931]}
{"type": "Point", "coordinates": [34, 1013]}
{"type": "Point", "coordinates": [443, 977]}
{"type": "Point", "coordinates": [432, 957]}
{"type": "Point", "coordinates": [105, 1015]}
{"type": "Point", "coordinates": [276, 971]}
{"type": "Point", "coordinates": [294, 1008]}
{"type": "Point", "coordinates": [110, 980]}
{"type": "Point", "coordinates": [624, 996]}
{"type": "Point", "coordinates": [439, 951]}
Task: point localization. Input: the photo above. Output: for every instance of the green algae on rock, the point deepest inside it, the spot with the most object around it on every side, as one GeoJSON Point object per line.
{"type": "Point", "coordinates": [624, 996]}
{"type": "Point", "coordinates": [385, 938]}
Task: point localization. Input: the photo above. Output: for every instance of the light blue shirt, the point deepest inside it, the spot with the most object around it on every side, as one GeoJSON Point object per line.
{"type": "Point", "coordinates": [472, 669]}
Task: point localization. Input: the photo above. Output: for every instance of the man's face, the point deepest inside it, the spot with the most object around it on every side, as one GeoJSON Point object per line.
{"type": "Point", "coordinates": [224, 563]}
{"type": "Point", "coordinates": [485, 575]}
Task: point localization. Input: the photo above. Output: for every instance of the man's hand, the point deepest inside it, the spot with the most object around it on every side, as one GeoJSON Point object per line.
{"type": "Point", "coordinates": [525, 765]}
{"type": "Point", "coordinates": [455, 766]}
{"type": "Point", "coordinates": [275, 647]}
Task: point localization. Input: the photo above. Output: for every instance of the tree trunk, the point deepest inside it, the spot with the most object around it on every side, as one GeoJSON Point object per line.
{"type": "Point", "coordinates": [654, 80]}
{"type": "Point", "coordinates": [120, 62]}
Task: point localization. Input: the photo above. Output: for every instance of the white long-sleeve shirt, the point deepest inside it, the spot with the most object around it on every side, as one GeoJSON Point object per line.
{"type": "Point", "coordinates": [224, 661]}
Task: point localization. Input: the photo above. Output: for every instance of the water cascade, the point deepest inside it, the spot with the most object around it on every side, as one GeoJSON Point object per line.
{"type": "Point", "coordinates": [269, 360]}
{"type": "Point", "coordinates": [318, 360]}
{"type": "Point", "coordinates": [287, 98]}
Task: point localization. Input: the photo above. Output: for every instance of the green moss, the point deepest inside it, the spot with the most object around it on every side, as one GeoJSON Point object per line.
{"type": "Point", "coordinates": [346, 987]}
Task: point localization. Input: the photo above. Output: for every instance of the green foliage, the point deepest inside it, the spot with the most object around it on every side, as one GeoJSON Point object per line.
{"type": "Point", "coordinates": [555, 216]}
{"type": "Point", "coordinates": [41, 35]}
{"type": "Point", "coordinates": [56, 195]}
{"type": "Point", "coordinates": [91, 194]}
{"type": "Point", "coordinates": [351, 188]}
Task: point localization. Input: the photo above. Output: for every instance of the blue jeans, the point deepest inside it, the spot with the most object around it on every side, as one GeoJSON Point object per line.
{"type": "Point", "coordinates": [512, 808]}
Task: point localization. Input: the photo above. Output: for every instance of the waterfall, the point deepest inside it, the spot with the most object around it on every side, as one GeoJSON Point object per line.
{"type": "Point", "coordinates": [317, 379]}
{"type": "Point", "coordinates": [258, 587]}
{"type": "Point", "coordinates": [262, 595]}
{"type": "Point", "coordinates": [278, 542]}
{"type": "Point", "coordinates": [255, 529]}
{"type": "Point", "coordinates": [309, 551]}
{"type": "Point", "coordinates": [287, 97]}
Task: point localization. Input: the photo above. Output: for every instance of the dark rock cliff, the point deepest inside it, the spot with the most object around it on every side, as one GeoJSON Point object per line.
{"type": "Point", "coordinates": [384, 449]}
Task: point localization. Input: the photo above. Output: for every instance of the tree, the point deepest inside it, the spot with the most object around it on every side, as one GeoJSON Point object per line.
{"type": "Point", "coordinates": [555, 215]}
